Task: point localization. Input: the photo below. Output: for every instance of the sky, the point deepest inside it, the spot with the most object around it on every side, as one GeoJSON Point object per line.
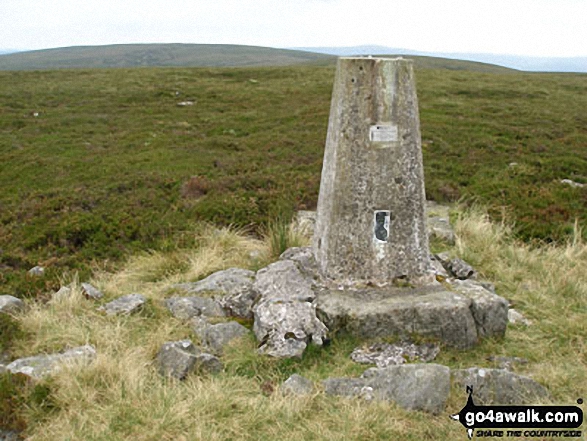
{"type": "Point", "coordinates": [548, 28]}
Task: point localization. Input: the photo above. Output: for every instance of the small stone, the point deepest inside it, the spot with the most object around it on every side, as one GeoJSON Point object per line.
{"type": "Point", "coordinates": [219, 335]}
{"type": "Point", "coordinates": [412, 386]}
{"type": "Point", "coordinates": [63, 293]}
{"type": "Point", "coordinates": [42, 365]}
{"type": "Point", "coordinates": [516, 317]}
{"type": "Point", "coordinates": [572, 183]}
{"type": "Point", "coordinates": [297, 385]}
{"type": "Point", "coordinates": [461, 269]}
{"type": "Point", "coordinates": [91, 292]}
{"type": "Point", "coordinates": [385, 354]}
{"type": "Point", "coordinates": [499, 386]}
{"type": "Point", "coordinates": [508, 363]}
{"type": "Point", "coordinates": [438, 269]}
{"type": "Point", "coordinates": [304, 259]}
{"type": "Point", "coordinates": [185, 103]}
{"type": "Point", "coordinates": [185, 308]}
{"type": "Point", "coordinates": [37, 271]}
{"type": "Point", "coordinates": [180, 358]}
{"type": "Point", "coordinates": [10, 304]}
{"type": "Point", "coordinates": [124, 305]}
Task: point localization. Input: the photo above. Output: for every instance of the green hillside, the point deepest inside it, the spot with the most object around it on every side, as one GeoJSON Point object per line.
{"type": "Point", "coordinates": [157, 55]}
{"type": "Point", "coordinates": [98, 164]}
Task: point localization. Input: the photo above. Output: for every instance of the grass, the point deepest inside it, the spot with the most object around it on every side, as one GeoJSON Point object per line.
{"type": "Point", "coordinates": [111, 165]}
{"type": "Point", "coordinates": [120, 396]}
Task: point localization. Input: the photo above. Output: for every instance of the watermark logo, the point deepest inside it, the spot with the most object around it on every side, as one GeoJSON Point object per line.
{"type": "Point", "coordinates": [485, 420]}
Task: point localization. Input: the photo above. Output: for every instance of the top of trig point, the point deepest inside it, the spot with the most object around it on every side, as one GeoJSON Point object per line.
{"type": "Point", "coordinates": [370, 225]}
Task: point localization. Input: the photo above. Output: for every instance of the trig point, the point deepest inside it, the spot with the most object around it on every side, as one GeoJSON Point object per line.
{"type": "Point", "coordinates": [371, 224]}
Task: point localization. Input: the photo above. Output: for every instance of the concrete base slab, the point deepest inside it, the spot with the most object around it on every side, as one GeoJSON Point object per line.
{"type": "Point", "coordinates": [431, 311]}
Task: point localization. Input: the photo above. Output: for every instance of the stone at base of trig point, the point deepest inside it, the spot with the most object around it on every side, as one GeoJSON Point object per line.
{"type": "Point", "coordinates": [457, 319]}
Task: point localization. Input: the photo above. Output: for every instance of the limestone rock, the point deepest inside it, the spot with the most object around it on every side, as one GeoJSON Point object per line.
{"type": "Point", "coordinates": [507, 363]}
{"type": "Point", "coordinates": [438, 269]}
{"type": "Point", "coordinates": [303, 257]}
{"type": "Point", "coordinates": [10, 304]}
{"type": "Point", "coordinates": [297, 385]}
{"type": "Point", "coordinates": [412, 386]}
{"type": "Point", "coordinates": [124, 305]}
{"type": "Point", "coordinates": [180, 358]}
{"type": "Point", "coordinates": [400, 312]}
{"type": "Point", "coordinates": [499, 386]}
{"type": "Point", "coordinates": [91, 292]}
{"type": "Point", "coordinates": [42, 365]}
{"type": "Point", "coordinates": [572, 183]}
{"type": "Point", "coordinates": [236, 287]}
{"type": "Point", "coordinates": [63, 293]}
{"type": "Point", "coordinates": [490, 311]}
{"type": "Point", "coordinates": [456, 267]}
{"type": "Point", "coordinates": [516, 317]}
{"type": "Point", "coordinates": [285, 315]}
{"type": "Point", "coordinates": [386, 354]}
{"type": "Point", "coordinates": [219, 335]}
{"type": "Point", "coordinates": [184, 308]}
{"type": "Point", "coordinates": [37, 271]}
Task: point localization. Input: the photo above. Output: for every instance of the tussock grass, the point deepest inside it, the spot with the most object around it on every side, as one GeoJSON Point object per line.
{"type": "Point", "coordinates": [121, 397]}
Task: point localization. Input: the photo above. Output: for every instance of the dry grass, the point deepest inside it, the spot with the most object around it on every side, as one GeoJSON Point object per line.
{"type": "Point", "coordinates": [121, 397]}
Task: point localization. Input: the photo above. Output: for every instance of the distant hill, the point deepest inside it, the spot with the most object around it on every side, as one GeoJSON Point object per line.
{"type": "Point", "coordinates": [542, 64]}
{"type": "Point", "coordinates": [155, 55]}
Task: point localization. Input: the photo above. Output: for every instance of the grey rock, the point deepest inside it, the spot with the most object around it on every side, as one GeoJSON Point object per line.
{"type": "Point", "coordinates": [124, 305]}
{"type": "Point", "coordinates": [10, 304]}
{"type": "Point", "coordinates": [297, 385]}
{"type": "Point", "coordinates": [412, 386]}
{"type": "Point", "coordinates": [91, 292]}
{"type": "Point", "coordinates": [461, 269]}
{"type": "Point", "coordinates": [516, 317]}
{"type": "Point", "coordinates": [180, 358]}
{"type": "Point", "coordinates": [40, 366]}
{"type": "Point", "coordinates": [508, 363]}
{"type": "Point", "coordinates": [490, 311]}
{"type": "Point", "coordinates": [184, 308]}
{"type": "Point", "coordinates": [499, 386]}
{"type": "Point", "coordinates": [37, 271]}
{"type": "Point", "coordinates": [285, 315]}
{"type": "Point", "coordinates": [430, 311]}
{"type": "Point", "coordinates": [438, 269]}
{"type": "Point", "coordinates": [386, 354]}
{"type": "Point", "coordinates": [219, 335]}
{"type": "Point", "coordinates": [303, 257]}
{"type": "Point", "coordinates": [235, 285]}
{"type": "Point", "coordinates": [572, 183]}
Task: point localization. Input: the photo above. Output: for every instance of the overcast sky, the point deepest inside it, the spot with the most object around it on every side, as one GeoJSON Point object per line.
{"type": "Point", "coordinates": [522, 27]}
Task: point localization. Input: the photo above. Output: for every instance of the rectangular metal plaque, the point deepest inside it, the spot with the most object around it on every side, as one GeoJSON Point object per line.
{"type": "Point", "coordinates": [383, 133]}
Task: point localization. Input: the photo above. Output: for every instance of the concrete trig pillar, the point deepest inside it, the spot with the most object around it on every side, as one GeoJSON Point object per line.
{"type": "Point", "coordinates": [371, 224]}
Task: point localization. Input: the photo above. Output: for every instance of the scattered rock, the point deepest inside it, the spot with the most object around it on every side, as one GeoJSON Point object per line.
{"type": "Point", "coordinates": [185, 308]}
{"type": "Point", "coordinates": [185, 103]}
{"type": "Point", "coordinates": [63, 294]}
{"type": "Point", "coordinates": [128, 304]}
{"type": "Point", "coordinates": [91, 292]}
{"type": "Point", "coordinates": [304, 258]}
{"type": "Point", "coordinates": [37, 271]}
{"type": "Point", "coordinates": [438, 269]}
{"type": "Point", "coordinates": [179, 358]}
{"type": "Point", "coordinates": [489, 310]}
{"type": "Point", "coordinates": [285, 316]}
{"type": "Point", "coordinates": [386, 354]}
{"type": "Point", "coordinates": [10, 304]}
{"type": "Point", "coordinates": [508, 363]}
{"type": "Point", "coordinates": [219, 335]}
{"type": "Point", "coordinates": [412, 386]}
{"type": "Point", "coordinates": [236, 287]}
{"type": "Point", "coordinates": [461, 269]}
{"type": "Point", "coordinates": [572, 183]}
{"type": "Point", "coordinates": [297, 385]}
{"type": "Point", "coordinates": [516, 317]}
{"type": "Point", "coordinates": [42, 365]}
{"type": "Point", "coordinates": [499, 386]}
